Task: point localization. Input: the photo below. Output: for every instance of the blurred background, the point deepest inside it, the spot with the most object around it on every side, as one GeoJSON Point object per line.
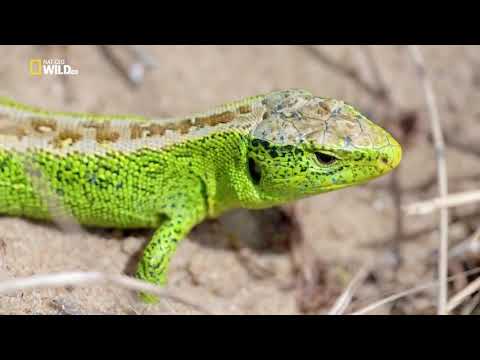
{"type": "Point", "coordinates": [297, 259]}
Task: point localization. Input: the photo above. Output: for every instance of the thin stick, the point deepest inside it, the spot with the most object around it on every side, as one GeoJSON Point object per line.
{"type": "Point", "coordinates": [470, 307]}
{"type": "Point", "coordinates": [384, 91]}
{"type": "Point", "coordinates": [345, 299]}
{"type": "Point", "coordinates": [470, 245]}
{"type": "Point", "coordinates": [452, 200]}
{"type": "Point", "coordinates": [461, 146]}
{"type": "Point", "coordinates": [417, 289]}
{"type": "Point", "coordinates": [143, 56]}
{"type": "Point", "coordinates": [394, 297]}
{"type": "Point", "coordinates": [143, 62]}
{"type": "Point", "coordinates": [345, 70]}
{"type": "Point", "coordinates": [62, 279]}
{"type": "Point", "coordinates": [463, 294]}
{"type": "Point", "coordinates": [117, 64]}
{"type": "Point", "coordinates": [441, 174]}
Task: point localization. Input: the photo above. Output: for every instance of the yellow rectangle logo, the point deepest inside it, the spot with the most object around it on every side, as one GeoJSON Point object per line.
{"type": "Point", "coordinates": [35, 67]}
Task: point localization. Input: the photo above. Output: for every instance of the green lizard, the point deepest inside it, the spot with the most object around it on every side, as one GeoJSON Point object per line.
{"type": "Point", "coordinates": [171, 174]}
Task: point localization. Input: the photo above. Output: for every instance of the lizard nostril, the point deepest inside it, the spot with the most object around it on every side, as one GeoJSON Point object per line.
{"type": "Point", "coordinates": [385, 160]}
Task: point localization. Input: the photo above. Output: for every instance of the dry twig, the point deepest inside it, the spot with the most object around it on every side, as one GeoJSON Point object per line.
{"type": "Point", "coordinates": [346, 71]}
{"type": "Point", "coordinates": [451, 200]}
{"type": "Point", "coordinates": [469, 308]}
{"type": "Point", "coordinates": [460, 297]}
{"type": "Point", "coordinates": [76, 278]}
{"type": "Point", "coordinates": [441, 173]}
{"type": "Point", "coordinates": [416, 289]}
{"type": "Point", "coordinates": [345, 299]}
{"type": "Point", "coordinates": [470, 245]}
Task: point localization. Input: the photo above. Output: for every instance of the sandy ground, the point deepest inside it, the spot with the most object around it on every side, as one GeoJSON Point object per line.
{"type": "Point", "coordinates": [252, 274]}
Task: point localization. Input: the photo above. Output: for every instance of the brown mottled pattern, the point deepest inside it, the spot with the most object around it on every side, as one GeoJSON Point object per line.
{"type": "Point", "coordinates": [44, 125]}
{"type": "Point", "coordinates": [182, 126]}
{"type": "Point", "coordinates": [156, 129]}
{"type": "Point", "coordinates": [244, 109]}
{"type": "Point", "coordinates": [284, 117]}
{"type": "Point", "coordinates": [64, 133]}
{"type": "Point", "coordinates": [215, 119]}
{"type": "Point", "coordinates": [20, 133]}
{"type": "Point", "coordinates": [104, 132]}
{"type": "Point", "coordinates": [66, 138]}
{"type": "Point", "coordinates": [139, 131]}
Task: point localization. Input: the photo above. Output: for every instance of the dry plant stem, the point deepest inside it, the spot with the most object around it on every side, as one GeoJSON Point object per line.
{"type": "Point", "coordinates": [399, 218]}
{"type": "Point", "coordinates": [441, 173]}
{"type": "Point", "coordinates": [394, 297]}
{"type": "Point", "coordinates": [461, 146]}
{"type": "Point", "coordinates": [76, 278]}
{"type": "Point", "coordinates": [344, 70]}
{"type": "Point", "coordinates": [426, 207]}
{"type": "Point", "coordinates": [384, 90]}
{"type": "Point", "coordinates": [302, 257]}
{"type": "Point", "coordinates": [470, 245]}
{"type": "Point", "coordinates": [394, 185]}
{"type": "Point", "coordinates": [117, 65]}
{"type": "Point", "coordinates": [461, 296]}
{"type": "Point", "coordinates": [345, 299]}
{"type": "Point", "coordinates": [297, 252]}
{"type": "Point", "coordinates": [417, 289]}
{"type": "Point", "coordinates": [143, 56]}
{"type": "Point", "coordinates": [472, 305]}
{"type": "Point", "coordinates": [414, 235]}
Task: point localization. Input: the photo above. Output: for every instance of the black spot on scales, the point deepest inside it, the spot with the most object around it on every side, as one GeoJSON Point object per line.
{"type": "Point", "coordinates": [262, 143]}
{"type": "Point", "coordinates": [273, 153]}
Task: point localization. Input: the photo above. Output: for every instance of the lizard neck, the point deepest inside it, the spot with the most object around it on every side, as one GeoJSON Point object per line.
{"type": "Point", "coordinates": [225, 173]}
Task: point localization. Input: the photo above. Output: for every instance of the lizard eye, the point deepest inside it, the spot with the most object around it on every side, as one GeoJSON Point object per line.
{"type": "Point", "coordinates": [325, 159]}
{"type": "Point", "coordinates": [254, 170]}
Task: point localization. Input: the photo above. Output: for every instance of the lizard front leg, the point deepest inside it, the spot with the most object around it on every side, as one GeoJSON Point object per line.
{"type": "Point", "coordinates": [183, 212]}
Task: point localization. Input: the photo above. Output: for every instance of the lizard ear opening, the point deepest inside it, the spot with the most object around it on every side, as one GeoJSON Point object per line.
{"type": "Point", "coordinates": [255, 171]}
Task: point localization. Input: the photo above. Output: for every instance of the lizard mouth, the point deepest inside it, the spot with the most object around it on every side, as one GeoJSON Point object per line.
{"type": "Point", "coordinates": [390, 156]}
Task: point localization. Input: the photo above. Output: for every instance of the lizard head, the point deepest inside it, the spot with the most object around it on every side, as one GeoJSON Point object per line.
{"type": "Point", "coordinates": [305, 145]}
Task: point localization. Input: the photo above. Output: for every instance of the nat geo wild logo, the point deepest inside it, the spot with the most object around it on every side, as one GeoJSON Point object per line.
{"type": "Point", "coordinates": [40, 67]}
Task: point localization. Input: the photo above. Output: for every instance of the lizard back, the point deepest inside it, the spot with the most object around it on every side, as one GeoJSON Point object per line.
{"type": "Point", "coordinates": [103, 170]}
